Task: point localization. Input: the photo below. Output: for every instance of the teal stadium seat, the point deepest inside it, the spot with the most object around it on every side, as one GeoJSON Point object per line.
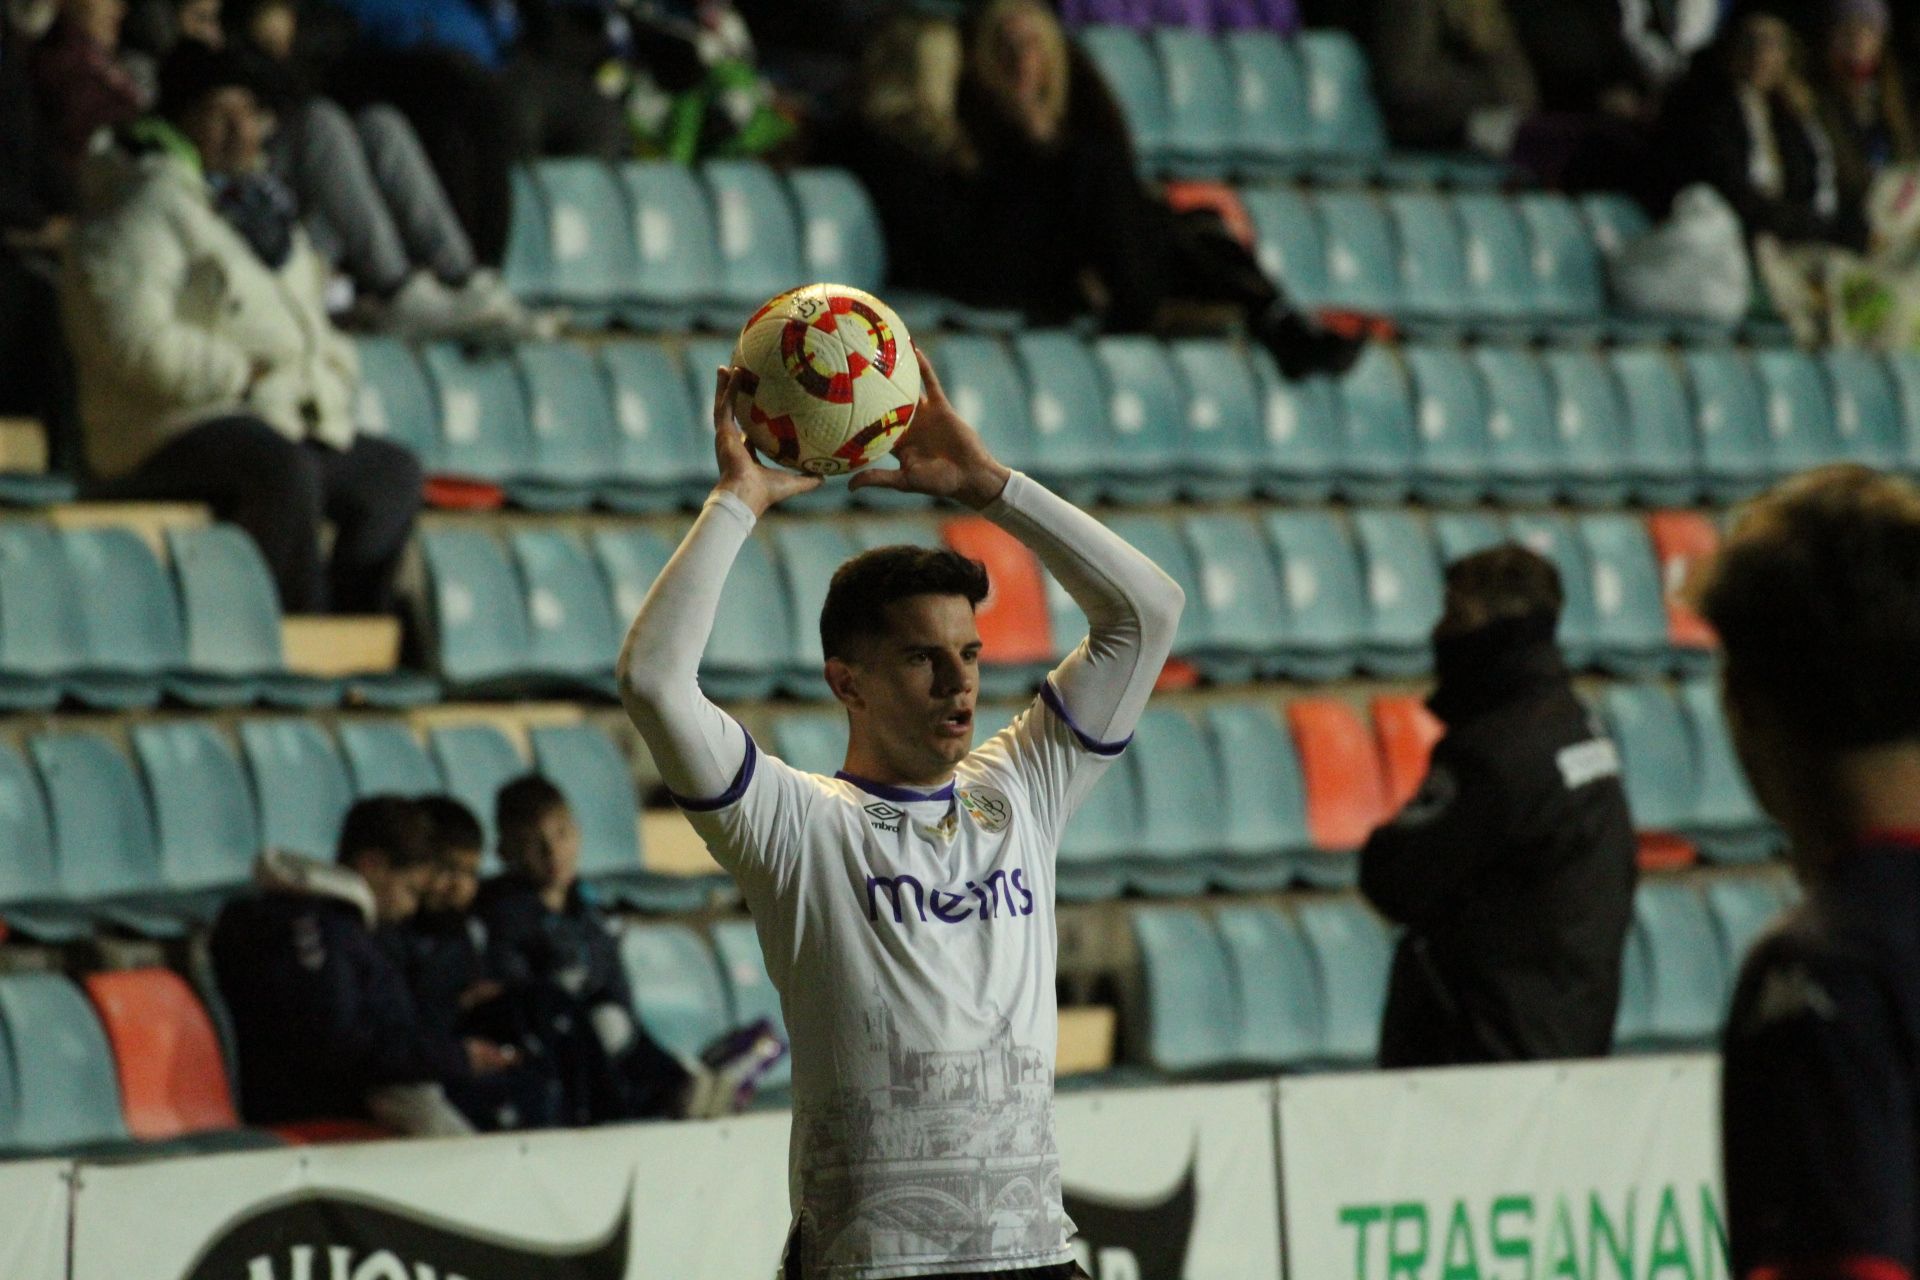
{"type": "Point", "coordinates": [395, 399]}
{"type": "Point", "coordinates": [1178, 781]}
{"type": "Point", "coordinates": [757, 235]}
{"type": "Point", "coordinates": [664, 450]}
{"type": "Point", "coordinates": [1351, 953]}
{"type": "Point", "coordinates": [1158, 538]}
{"type": "Point", "coordinates": [1224, 441]}
{"type": "Point", "coordinates": [1345, 120]}
{"type": "Point", "coordinates": [476, 760]}
{"type": "Point", "coordinates": [1377, 409]}
{"type": "Point", "coordinates": [676, 987]}
{"type": "Point", "coordinates": [629, 559]}
{"type": "Point", "coordinates": [1657, 763]}
{"type": "Point", "coordinates": [40, 630]}
{"type": "Point", "coordinates": [1554, 536]}
{"type": "Point", "coordinates": [1613, 220]}
{"type": "Point", "coordinates": [1404, 591]}
{"type": "Point", "coordinates": [1326, 603]}
{"type": "Point", "coordinates": [1271, 127]}
{"type": "Point", "coordinates": [1800, 412]}
{"type": "Point", "coordinates": [1244, 596]}
{"type": "Point", "coordinates": [384, 756]}
{"type": "Point", "coordinates": [1433, 256]}
{"type": "Point", "coordinates": [1099, 839]}
{"type": "Point", "coordinates": [1866, 408]}
{"type": "Point", "coordinates": [1743, 908]}
{"type": "Point", "coordinates": [752, 642]}
{"type": "Point", "coordinates": [813, 741]}
{"type": "Point", "coordinates": [232, 614]}
{"type": "Point", "coordinates": [1290, 244]}
{"type": "Point", "coordinates": [1202, 113]}
{"type": "Point", "coordinates": [528, 269]}
{"type": "Point", "coordinates": [1727, 823]}
{"type": "Point", "coordinates": [1523, 425]}
{"type": "Point", "coordinates": [1186, 1019]}
{"type": "Point", "coordinates": [484, 431]}
{"type": "Point", "coordinates": [750, 991]}
{"type": "Point", "coordinates": [32, 898]}
{"type": "Point", "coordinates": [103, 834]}
{"type": "Point", "coordinates": [1147, 408]}
{"type": "Point", "coordinates": [1500, 278]}
{"type": "Point", "coordinates": [1459, 534]}
{"type": "Point", "coordinates": [134, 639]}
{"type": "Point", "coordinates": [840, 234]}
{"type": "Point", "coordinates": [205, 820]}
{"type": "Point", "coordinates": [1301, 434]}
{"type": "Point", "coordinates": [1593, 428]}
{"type": "Point", "coordinates": [300, 784]}
{"type": "Point", "coordinates": [1275, 996]}
{"type": "Point", "coordinates": [1904, 367]}
{"type": "Point", "coordinates": [807, 553]}
{"type": "Point", "coordinates": [981, 378]}
{"type": "Point", "coordinates": [1663, 465]}
{"type": "Point", "coordinates": [575, 635]}
{"type": "Point", "coordinates": [1569, 276]}
{"type": "Point", "coordinates": [1263, 799]}
{"type": "Point", "coordinates": [1127, 64]}
{"type": "Point", "coordinates": [673, 233]}
{"type": "Point", "coordinates": [1731, 419]}
{"type": "Point", "coordinates": [1363, 272]}
{"type": "Point", "coordinates": [1630, 611]}
{"type": "Point", "coordinates": [63, 1095]}
{"type": "Point", "coordinates": [573, 429]}
{"type": "Point", "coordinates": [1688, 976]}
{"type": "Point", "coordinates": [1067, 404]}
{"type": "Point", "coordinates": [481, 639]}
{"type": "Point", "coordinates": [595, 263]}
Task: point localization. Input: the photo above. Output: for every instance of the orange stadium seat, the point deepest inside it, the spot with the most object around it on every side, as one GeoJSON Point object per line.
{"type": "Point", "coordinates": [173, 1081]}
{"type": "Point", "coordinates": [1013, 620]}
{"type": "Point", "coordinates": [1346, 796]}
{"type": "Point", "coordinates": [1683, 541]}
{"type": "Point", "coordinates": [1407, 733]}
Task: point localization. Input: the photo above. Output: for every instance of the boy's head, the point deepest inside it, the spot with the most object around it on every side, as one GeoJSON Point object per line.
{"type": "Point", "coordinates": [903, 655]}
{"type": "Point", "coordinates": [538, 836]}
{"type": "Point", "coordinates": [457, 848]}
{"type": "Point", "coordinates": [388, 840]}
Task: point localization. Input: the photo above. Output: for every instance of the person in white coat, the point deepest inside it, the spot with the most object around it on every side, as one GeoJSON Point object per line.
{"type": "Point", "coordinates": [207, 368]}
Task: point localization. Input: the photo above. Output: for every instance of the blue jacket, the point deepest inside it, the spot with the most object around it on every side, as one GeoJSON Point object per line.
{"type": "Point", "coordinates": [484, 30]}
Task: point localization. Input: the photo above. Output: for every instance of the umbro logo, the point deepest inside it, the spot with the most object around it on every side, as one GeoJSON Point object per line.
{"type": "Point", "coordinates": [885, 816]}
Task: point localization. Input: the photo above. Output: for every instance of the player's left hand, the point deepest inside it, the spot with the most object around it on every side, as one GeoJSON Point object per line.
{"type": "Point", "coordinates": [941, 455]}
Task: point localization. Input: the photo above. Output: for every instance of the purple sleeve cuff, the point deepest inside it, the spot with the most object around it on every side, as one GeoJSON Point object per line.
{"type": "Point", "coordinates": [735, 789]}
{"type": "Point", "coordinates": [1051, 696]}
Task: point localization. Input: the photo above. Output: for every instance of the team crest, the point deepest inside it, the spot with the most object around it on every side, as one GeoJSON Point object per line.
{"type": "Point", "coordinates": [988, 807]}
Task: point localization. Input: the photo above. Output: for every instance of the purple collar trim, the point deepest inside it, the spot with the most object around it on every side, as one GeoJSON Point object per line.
{"type": "Point", "coordinates": [899, 795]}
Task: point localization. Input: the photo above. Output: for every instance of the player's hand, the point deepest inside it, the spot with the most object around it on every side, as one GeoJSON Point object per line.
{"type": "Point", "coordinates": [741, 472]}
{"type": "Point", "coordinates": [941, 455]}
{"type": "Point", "coordinates": [485, 1058]}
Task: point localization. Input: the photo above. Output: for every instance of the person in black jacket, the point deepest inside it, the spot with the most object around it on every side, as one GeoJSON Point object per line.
{"type": "Point", "coordinates": [325, 1024]}
{"type": "Point", "coordinates": [1816, 597]}
{"type": "Point", "coordinates": [1513, 866]}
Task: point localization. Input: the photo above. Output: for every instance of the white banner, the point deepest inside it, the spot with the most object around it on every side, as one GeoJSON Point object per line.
{"type": "Point", "coordinates": [1600, 1171]}
{"type": "Point", "coordinates": [1174, 1183]}
{"type": "Point", "coordinates": [33, 1220]}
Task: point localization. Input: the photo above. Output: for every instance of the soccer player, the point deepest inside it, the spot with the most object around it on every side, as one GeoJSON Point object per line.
{"type": "Point", "coordinates": [905, 905]}
{"type": "Point", "coordinates": [1817, 601]}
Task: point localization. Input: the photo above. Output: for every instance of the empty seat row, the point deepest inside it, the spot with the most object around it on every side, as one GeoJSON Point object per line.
{"type": "Point", "coordinates": [1684, 951]}
{"type": "Point", "coordinates": [90, 616]}
{"type": "Point", "coordinates": [1684, 783]}
{"type": "Point", "coordinates": [689, 991]}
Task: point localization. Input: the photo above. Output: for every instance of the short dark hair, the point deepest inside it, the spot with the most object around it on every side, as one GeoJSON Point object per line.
{"type": "Point", "coordinates": [1507, 581]}
{"type": "Point", "coordinates": [1816, 596]}
{"type": "Point", "coordinates": [864, 586]}
{"type": "Point", "coordinates": [455, 828]}
{"type": "Point", "coordinates": [518, 811]}
{"type": "Point", "coordinates": [194, 70]}
{"type": "Point", "coordinates": [390, 825]}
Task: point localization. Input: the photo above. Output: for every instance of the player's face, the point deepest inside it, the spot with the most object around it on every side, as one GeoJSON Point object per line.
{"type": "Point", "coordinates": [911, 695]}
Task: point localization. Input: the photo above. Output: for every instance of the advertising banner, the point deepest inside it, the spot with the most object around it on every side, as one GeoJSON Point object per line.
{"type": "Point", "coordinates": [33, 1220]}
{"type": "Point", "coordinates": [1174, 1183]}
{"type": "Point", "coordinates": [1592, 1171]}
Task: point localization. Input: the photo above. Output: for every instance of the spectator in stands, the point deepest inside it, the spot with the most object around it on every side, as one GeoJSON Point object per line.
{"type": "Point", "coordinates": [546, 938]}
{"type": "Point", "coordinates": [82, 86]}
{"type": "Point", "coordinates": [208, 370]}
{"type": "Point", "coordinates": [1863, 99]}
{"type": "Point", "coordinates": [1816, 597]}
{"type": "Point", "coordinates": [1513, 867]}
{"type": "Point", "coordinates": [1004, 176]}
{"type": "Point", "coordinates": [324, 1023]}
{"type": "Point", "coordinates": [1450, 73]}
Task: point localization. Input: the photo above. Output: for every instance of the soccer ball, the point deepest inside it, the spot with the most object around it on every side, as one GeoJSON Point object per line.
{"type": "Point", "coordinates": [827, 380]}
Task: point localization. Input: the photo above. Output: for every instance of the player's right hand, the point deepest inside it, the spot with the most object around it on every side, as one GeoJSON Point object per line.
{"type": "Point", "coordinates": [485, 1058]}
{"type": "Point", "coordinates": [741, 472]}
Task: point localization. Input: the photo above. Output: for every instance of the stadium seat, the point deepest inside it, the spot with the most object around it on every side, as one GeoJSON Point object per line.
{"type": "Point", "coordinates": [757, 236]}
{"type": "Point", "coordinates": [32, 898]}
{"type": "Point", "coordinates": [595, 264]}
{"type": "Point", "coordinates": [1126, 63]}
{"type": "Point", "coordinates": [1263, 799]}
{"type": "Point", "coordinates": [103, 834]}
{"type": "Point", "coordinates": [300, 784]}
{"type": "Point", "coordinates": [673, 231]}
{"type": "Point", "coordinates": [1245, 603]}
{"type": "Point", "coordinates": [476, 760]}
{"type": "Point", "coordinates": [1377, 408]}
{"type": "Point", "coordinates": [232, 616]}
{"type": "Point", "coordinates": [1202, 123]}
{"type": "Point", "coordinates": [750, 992]}
{"type": "Point", "coordinates": [1351, 952]}
{"type": "Point", "coordinates": [808, 552]}
{"type": "Point", "coordinates": [484, 431]}
{"type": "Point", "coordinates": [1015, 633]}
{"type": "Point", "coordinates": [1614, 220]}
{"type": "Point", "coordinates": [575, 635]}
{"type": "Point", "coordinates": [1344, 118]}
{"type": "Point", "coordinates": [574, 435]}
{"type": "Point", "coordinates": [205, 820]}
{"type": "Point", "coordinates": [1187, 1020]}
{"type": "Point", "coordinates": [1726, 822]}
{"type": "Point", "coordinates": [1904, 368]}
{"type": "Point", "coordinates": [40, 629]}
{"type": "Point", "coordinates": [1147, 408]}
{"type": "Point", "coordinates": [384, 756]}
{"type": "Point", "coordinates": [812, 741]}
{"type": "Point", "coordinates": [1459, 534]}
{"type": "Point", "coordinates": [1433, 257]}
{"type": "Point", "coordinates": [676, 986]}
{"type": "Point", "coordinates": [1224, 441]}
{"type": "Point", "coordinates": [1271, 127]}
{"type": "Point", "coordinates": [1326, 603]}
{"type": "Point", "coordinates": [1688, 977]}
{"type": "Point", "coordinates": [481, 641]}
{"type": "Point", "coordinates": [1404, 591]}
{"type": "Point", "coordinates": [1866, 408]}
{"type": "Point", "coordinates": [752, 640]}
{"type": "Point", "coordinates": [129, 618]}
{"type": "Point", "coordinates": [1731, 417]}
{"type": "Point", "coordinates": [1683, 541]}
{"type": "Point", "coordinates": [1181, 822]}
{"type": "Point", "coordinates": [1630, 614]}
{"type": "Point", "coordinates": [1743, 907]}
{"type": "Point", "coordinates": [1453, 462]}
{"type": "Point", "coordinates": [166, 1058]}
{"type": "Point", "coordinates": [64, 1097]}
{"type": "Point", "coordinates": [1067, 405]}
{"type": "Point", "coordinates": [1289, 243]}
{"type": "Point", "coordinates": [1158, 538]}
{"type": "Point", "coordinates": [1363, 271]}
{"type": "Point", "coordinates": [664, 448]}
{"type": "Point", "coordinates": [1663, 465]}
{"type": "Point", "coordinates": [1523, 425]}
{"type": "Point", "coordinates": [395, 401]}
{"type": "Point", "coordinates": [1800, 411]}
{"type": "Point", "coordinates": [983, 382]}
{"type": "Point", "coordinates": [840, 233]}
{"type": "Point", "coordinates": [1099, 838]}
{"type": "Point", "coordinates": [630, 558]}
{"type": "Point", "coordinates": [1657, 767]}
{"type": "Point", "coordinates": [528, 269]}
{"type": "Point", "coordinates": [1407, 732]}
{"type": "Point", "coordinates": [1275, 996]}
{"type": "Point", "coordinates": [1500, 278]}
{"type": "Point", "coordinates": [1346, 797]}
{"type": "Point", "coordinates": [1593, 428]}
{"type": "Point", "coordinates": [1301, 433]}
{"type": "Point", "coordinates": [1569, 278]}
{"type": "Point", "coordinates": [1557, 538]}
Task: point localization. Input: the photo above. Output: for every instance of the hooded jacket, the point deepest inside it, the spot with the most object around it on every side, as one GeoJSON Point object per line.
{"type": "Point", "coordinates": [1512, 868]}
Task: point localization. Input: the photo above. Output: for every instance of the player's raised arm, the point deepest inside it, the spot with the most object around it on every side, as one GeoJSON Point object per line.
{"type": "Point", "coordinates": [698, 747]}
{"type": "Point", "coordinates": [1132, 607]}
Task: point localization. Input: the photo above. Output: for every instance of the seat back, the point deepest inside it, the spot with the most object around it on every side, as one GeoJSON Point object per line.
{"type": "Point", "coordinates": [1346, 797]}
{"type": "Point", "coordinates": [1662, 451]}
{"type": "Point", "coordinates": [753, 633]}
{"type": "Point", "coordinates": [127, 609]}
{"type": "Point", "coordinates": [1683, 543]}
{"type": "Point", "coordinates": [227, 600]}
{"type": "Point", "coordinates": [1800, 411]}
{"type": "Point", "coordinates": [1459, 534]}
{"type": "Point", "coordinates": [1320, 572]}
{"type": "Point", "coordinates": [484, 429]}
{"type": "Point", "coordinates": [673, 232]}
{"type": "Point", "coordinates": [1270, 96]}
{"type": "Point", "coordinates": [599, 785]}
{"type": "Point", "coordinates": [1224, 439]}
{"type": "Point", "coordinates": [590, 244]}
{"type": "Point", "coordinates": [1593, 422]}
{"type": "Point", "coordinates": [299, 784]}
{"type": "Point", "coordinates": [751, 995]}
{"type": "Point", "coordinates": [1301, 432]}
{"type": "Point", "coordinates": [1178, 778]}
{"type": "Point", "coordinates": [1614, 220]}
{"type": "Point", "coordinates": [1277, 999]}
{"type": "Point", "coordinates": [1688, 975]}
{"type": "Point", "coordinates": [1500, 276]}
{"type": "Point", "coordinates": [1127, 64]}
{"type": "Point", "coordinates": [1455, 448]}
{"type": "Point", "coordinates": [1289, 242]}
{"type": "Point", "coordinates": [1866, 408]}
{"type": "Point", "coordinates": [983, 382]}
{"type": "Point", "coordinates": [1067, 404]}
{"type": "Point", "coordinates": [1569, 276]}
{"type": "Point", "coordinates": [571, 619]}
{"type": "Point", "coordinates": [204, 815]}
{"type": "Point", "coordinates": [755, 230]}
{"type": "Point", "coordinates": [1013, 622]}
{"type": "Point", "coordinates": [1351, 953]}
{"type": "Point", "coordinates": [1656, 756]}
{"type": "Point", "coordinates": [1630, 614]}
{"type": "Point", "coordinates": [1340, 104]}
{"type": "Point", "coordinates": [1363, 260]}
{"type": "Point", "coordinates": [1158, 538]}
{"type": "Point", "coordinates": [840, 235]}
{"type": "Point", "coordinates": [1724, 799]}
{"type": "Point", "coordinates": [385, 756]}
{"type": "Point", "coordinates": [630, 559]}
{"type": "Point", "coordinates": [478, 616]}
{"type": "Point", "coordinates": [29, 872]}
{"type": "Point", "coordinates": [808, 553]}
{"type": "Point", "coordinates": [676, 986]}
{"type": "Point", "coordinates": [1190, 1022]}
{"type": "Point", "coordinates": [394, 399]}
{"type": "Point", "coordinates": [528, 269]}
{"type": "Point", "coordinates": [1904, 368]}
{"type": "Point", "coordinates": [1404, 589]}
{"type": "Point", "coordinates": [1407, 733]}
{"type": "Point", "coordinates": [575, 436]}
{"type": "Point", "coordinates": [1731, 418]}
{"type": "Point", "coordinates": [173, 1080]}
{"type": "Point", "coordinates": [103, 833]}
{"type": "Point", "coordinates": [1263, 791]}
{"type": "Point", "coordinates": [63, 1076]}
{"type": "Point", "coordinates": [814, 741]}
{"type": "Point", "coordinates": [1146, 403]}
{"type": "Point", "coordinates": [476, 760]}
{"type": "Point", "coordinates": [1245, 599]}
{"type": "Point", "coordinates": [1202, 114]}
{"type": "Point", "coordinates": [41, 633]}
{"type": "Point", "coordinates": [1742, 907]}
{"type": "Point", "coordinates": [1523, 425]}
{"type": "Point", "coordinates": [1433, 253]}
{"type": "Point", "coordinates": [664, 438]}
{"type": "Point", "coordinates": [1381, 433]}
